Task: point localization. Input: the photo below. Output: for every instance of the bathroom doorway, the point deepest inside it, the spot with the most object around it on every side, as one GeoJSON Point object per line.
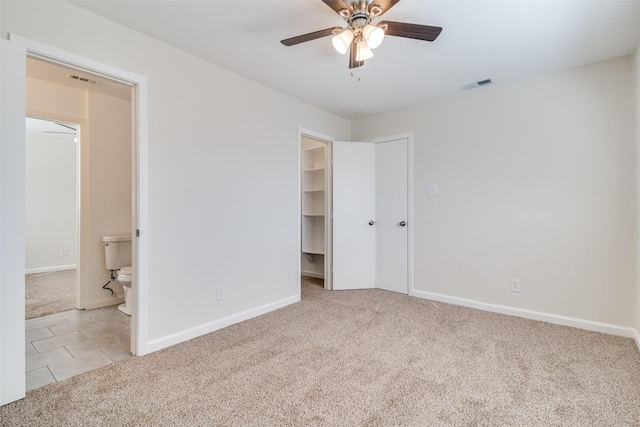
{"type": "Point", "coordinates": [96, 114]}
{"type": "Point", "coordinates": [14, 53]}
{"type": "Point", "coordinates": [51, 193]}
{"type": "Point", "coordinates": [103, 110]}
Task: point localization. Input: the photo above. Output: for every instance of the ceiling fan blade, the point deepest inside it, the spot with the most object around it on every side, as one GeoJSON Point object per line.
{"type": "Point", "coordinates": [384, 4]}
{"type": "Point", "coordinates": [353, 50]}
{"type": "Point", "coordinates": [412, 31]}
{"type": "Point", "coordinates": [336, 5]}
{"type": "Point", "coordinates": [65, 126]}
{"type": "Point", "coordinates": [308, 37]}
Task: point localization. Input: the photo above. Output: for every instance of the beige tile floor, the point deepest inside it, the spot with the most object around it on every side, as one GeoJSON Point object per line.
{"type": "Point", "coordinates": [62, 345]}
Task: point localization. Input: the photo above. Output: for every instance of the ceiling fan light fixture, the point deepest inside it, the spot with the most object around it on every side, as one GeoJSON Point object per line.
{"type": "Point", "coordinates": [360, 35]}
{"type": "Point", "coordinates": [342, 41]}
{"type": "Point", "coordinates": [374, 35]}
{"type": "Point", "coordinates": [363, 51]}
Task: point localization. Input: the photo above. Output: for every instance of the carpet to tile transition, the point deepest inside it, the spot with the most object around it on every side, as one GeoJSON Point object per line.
{"type": "Point", "coordinates": [359, 358]}
{"type": "Point", "coordinates": [48, 293]}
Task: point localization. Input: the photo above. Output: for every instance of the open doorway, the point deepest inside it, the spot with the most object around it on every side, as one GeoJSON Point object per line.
{"type": "Point", "coordinates": [91, 332]}
{"type": "Point", "coordinates": [14, 52]}
{"type": "Point", "coordinates": [315, 209]}
{"type": "Point", "coordinates": [51, 153]}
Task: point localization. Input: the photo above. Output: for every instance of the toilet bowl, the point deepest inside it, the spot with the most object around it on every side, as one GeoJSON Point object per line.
{"type": "Point", "coordinates": [124, 277]}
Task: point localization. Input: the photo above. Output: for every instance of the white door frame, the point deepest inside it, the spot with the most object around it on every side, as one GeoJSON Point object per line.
{"type": "Point", "coordinates": [410, 231]}
{"type": "Point", "coordinates": [139, 321]}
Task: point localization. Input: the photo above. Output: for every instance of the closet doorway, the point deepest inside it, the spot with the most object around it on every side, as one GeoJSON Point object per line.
{"type": "Point", "coordinates": [356, 212]}
{"type": "Point", "coordinates": [315, 209]}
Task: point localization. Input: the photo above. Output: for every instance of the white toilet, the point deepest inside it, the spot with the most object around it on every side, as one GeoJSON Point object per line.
{"type": "Point", "coordinates": [117, 256]}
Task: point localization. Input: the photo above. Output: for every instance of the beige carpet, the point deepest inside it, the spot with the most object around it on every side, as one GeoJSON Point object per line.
{"type": "Point", "coordinates": [359, 358]}
{"type": "Point", "coordinates": [48, 293]}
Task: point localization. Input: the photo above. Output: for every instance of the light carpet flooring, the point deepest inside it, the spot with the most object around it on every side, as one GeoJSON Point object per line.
{"type": "Point", "coordinates": [48, 293]}
{"type": "Point", "coordinates": [359, 358]}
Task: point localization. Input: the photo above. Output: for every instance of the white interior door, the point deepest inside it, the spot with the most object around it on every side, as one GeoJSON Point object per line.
{"type": "Point", "coordinates": [12, 220]}
{"type": "Point", "coordinates": [391, 216]}
{"type": "Point", "coordinates": [354, 207]}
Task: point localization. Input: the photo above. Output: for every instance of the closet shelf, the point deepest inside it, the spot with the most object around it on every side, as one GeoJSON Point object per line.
{"type": "Point", "coordinates": [313, 251]}
{"type": "Point", "coordinates": [313, 169]}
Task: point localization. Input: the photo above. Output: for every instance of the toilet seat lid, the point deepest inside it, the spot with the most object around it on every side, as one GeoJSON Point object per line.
{"type": "Point", "coordinates": [126, 270]}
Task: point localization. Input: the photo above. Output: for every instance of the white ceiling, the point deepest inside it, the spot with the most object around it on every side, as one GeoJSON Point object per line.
{"type": "Point", "coordinates": [503, 40]}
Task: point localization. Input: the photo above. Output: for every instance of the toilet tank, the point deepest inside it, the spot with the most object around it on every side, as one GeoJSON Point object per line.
{"type": "Point", "coordinates": [117, 251]}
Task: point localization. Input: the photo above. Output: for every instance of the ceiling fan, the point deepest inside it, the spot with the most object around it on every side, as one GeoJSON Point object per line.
{"type": "Point", "coordinates": [360, 35]}
{"type": "Point", "coordinates": [74, 132]}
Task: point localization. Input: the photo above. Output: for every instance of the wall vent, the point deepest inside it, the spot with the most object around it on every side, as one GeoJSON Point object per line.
{"type": "Point", "coordinates": [83, 79]}
{"type": "Point", "coordinates": [475, 85]}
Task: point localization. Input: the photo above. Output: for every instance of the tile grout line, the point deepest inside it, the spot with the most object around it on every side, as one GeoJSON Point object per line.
{"type": "Point", "coordinates": [51, 373]}
{"type": "Point", "coordinates": [67, 350]}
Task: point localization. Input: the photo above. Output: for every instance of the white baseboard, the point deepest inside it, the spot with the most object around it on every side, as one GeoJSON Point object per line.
{"type": "Point", "coordinates": [173, 339]}
{"type": "Point", "coordinates": [589, 325]}
{"type": "Point", "coordinates": [106, 302]}
{"type": "Point", "coordinates": [312, 274]}
{"type": "Point", "coordinates": [50, 269]}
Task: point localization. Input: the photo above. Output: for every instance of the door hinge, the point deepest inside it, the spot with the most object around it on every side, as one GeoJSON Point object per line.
{"type": "Point", "coordinates": [137, 233]}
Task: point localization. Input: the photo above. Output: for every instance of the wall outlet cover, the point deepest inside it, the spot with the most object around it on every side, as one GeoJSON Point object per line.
{"type": "Point", "coordinates": [432, 190]}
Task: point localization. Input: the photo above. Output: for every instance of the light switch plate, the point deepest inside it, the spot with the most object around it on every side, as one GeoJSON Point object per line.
{"type": "Point", "coordinates": [432, 190]}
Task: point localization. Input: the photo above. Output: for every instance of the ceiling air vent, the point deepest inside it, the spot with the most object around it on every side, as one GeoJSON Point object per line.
{"type": "Point", "coordinates": [475, 85]}
{"type": "Point", "coordinates": [83, 79]}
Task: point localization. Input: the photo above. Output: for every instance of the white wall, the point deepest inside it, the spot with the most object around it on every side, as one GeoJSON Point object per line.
{"type": "Point", "coordinates": [222, 171]}
{"type": "Point", "coordinates": [107, 190]}
{"type": "Point", "coordinates": [50, 201]}
{"type": "Point", "coordinates": [536, 183]}
{"type": "Point", "coordinates": [46, 99]}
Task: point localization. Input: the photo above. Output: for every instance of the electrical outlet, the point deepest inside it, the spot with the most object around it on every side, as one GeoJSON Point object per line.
{"type": "Point", "coordinates": [63, 252]}
{"type": "Point", "coordinates": [219, 293]}
{"type": "Point", "coordinates": [515, 285]}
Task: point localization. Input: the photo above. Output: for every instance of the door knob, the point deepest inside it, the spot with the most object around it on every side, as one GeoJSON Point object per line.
{"type": "Point", "coordinates": [371, 222]}
{"type": "Point", "coordinates": [402, 223]}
